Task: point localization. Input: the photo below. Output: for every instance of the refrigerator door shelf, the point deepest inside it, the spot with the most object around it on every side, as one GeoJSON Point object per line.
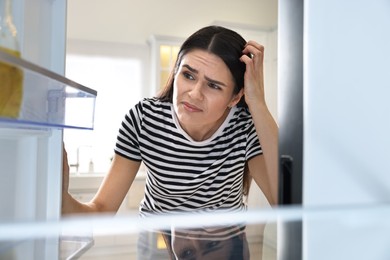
{"type": "Point", "coordinates": [13, 132]}
{"type": "Point", "coordinates": [37, 97]}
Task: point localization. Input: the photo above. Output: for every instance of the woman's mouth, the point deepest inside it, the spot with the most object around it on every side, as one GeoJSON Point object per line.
{"type": "Point", "coordinates": [191, 108]}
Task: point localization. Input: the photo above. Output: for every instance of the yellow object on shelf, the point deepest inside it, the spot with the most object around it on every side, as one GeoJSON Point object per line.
{"type": "Point", "coordinates": [11, 88]}
{"type": "Point", "coordinates": [11, 77]}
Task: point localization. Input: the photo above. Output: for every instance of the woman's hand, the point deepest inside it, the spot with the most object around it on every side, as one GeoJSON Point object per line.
{"type": "Point", "coordinates": [65, 171]}
{"type": "Point", "coordinates": [253, 57]}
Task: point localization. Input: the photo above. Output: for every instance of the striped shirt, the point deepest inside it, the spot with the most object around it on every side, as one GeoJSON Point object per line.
{"type": "Point", "coordinates": [184, 175]}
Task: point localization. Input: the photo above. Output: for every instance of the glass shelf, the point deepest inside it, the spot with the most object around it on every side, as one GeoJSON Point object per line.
{"type": "Point", "coordinates": [32, 95]}
{"type": "Point", "coordinates": [329, 232]}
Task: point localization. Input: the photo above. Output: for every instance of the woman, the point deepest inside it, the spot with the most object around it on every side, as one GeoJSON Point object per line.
{"type": "Point", "coordinates": [198, 137]}
{"type": "Point", "coordinates": [207, 243]}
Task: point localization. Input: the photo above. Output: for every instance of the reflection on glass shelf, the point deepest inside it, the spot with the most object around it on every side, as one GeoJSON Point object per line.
{"type": "Point", "coordinates": [333, 232]}
{"type": "Point", "coordinates": [40, 97]}
{"type": "Point", "coordinates": [72, 247]}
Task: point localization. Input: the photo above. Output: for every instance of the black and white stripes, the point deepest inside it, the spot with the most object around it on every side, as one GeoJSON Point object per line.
{"type": "Point", "coordinates": [184, 175]}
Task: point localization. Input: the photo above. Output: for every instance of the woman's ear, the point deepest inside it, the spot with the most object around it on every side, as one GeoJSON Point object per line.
{"type": "Point", "coordinates": [236, 98]}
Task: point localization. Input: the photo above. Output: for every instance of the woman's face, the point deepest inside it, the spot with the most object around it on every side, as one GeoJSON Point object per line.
{"type": "Point", "coordinates": [192, 249]}
{"type": "Point", "coordinates": [203, 91]}
{"type": "Point", "coordinates": [203, 247]}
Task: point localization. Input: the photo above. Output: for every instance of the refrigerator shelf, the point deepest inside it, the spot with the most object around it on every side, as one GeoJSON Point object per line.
{"type": "Point", "coordinates": [34, 96]}
{"type": "Point", "coordinates": [15, 132]}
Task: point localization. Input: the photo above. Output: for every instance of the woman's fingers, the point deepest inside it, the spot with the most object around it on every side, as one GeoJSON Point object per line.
{"type": "Point", "coordinates": [255, 51]}
{"type": "Point", "coordinates": [253, 54]}
{"type": "Point", "coordinates": [65, 170]}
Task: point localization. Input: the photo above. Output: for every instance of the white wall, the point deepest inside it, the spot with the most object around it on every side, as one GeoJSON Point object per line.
{"type": "Point", "coordinates": [131, 21]}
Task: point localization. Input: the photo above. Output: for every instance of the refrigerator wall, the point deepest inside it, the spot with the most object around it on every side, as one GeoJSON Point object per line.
{"type": "Point", "coordinates": [346, 121]}
{"type": "Point", "coordinates": [346, 102]}
{"type": "Point", "coordinates": [31, 144]}
{"type": "Point", "coordinates": [41, 26]}
{"type": "Point", "coordinates": [31, 165]}
{"type": "Point", "coordinates": [339, 83]}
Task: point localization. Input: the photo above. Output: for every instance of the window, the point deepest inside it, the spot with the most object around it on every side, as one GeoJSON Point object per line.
{"type": "Point", "coordinates": [163, 50]}
{"type": "Point", "coordinates": [119, 85]}
{"type": "Point", "coordinates": [168, 56]}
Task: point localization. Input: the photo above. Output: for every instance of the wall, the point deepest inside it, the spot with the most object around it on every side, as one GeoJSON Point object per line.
{"type": "Point", "coordinates": [130, 21]}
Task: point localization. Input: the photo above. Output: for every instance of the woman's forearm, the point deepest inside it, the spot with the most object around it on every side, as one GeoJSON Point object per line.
{"type": "Point", "coordinates": [71, 206]}
{"type": "Point", "coordinates": [267, 131]}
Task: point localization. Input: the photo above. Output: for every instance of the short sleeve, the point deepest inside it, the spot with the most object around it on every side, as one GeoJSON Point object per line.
{"type": "Point", "coordinates": [127, 144]}
{"type": "Point", "coordinates": [253, 147]}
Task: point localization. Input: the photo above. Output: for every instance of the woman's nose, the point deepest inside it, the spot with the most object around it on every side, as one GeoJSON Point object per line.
{"type": "Point", "coordinates": [196, 92]}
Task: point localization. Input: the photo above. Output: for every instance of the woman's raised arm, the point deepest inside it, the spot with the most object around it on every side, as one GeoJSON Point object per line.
{"type": "Point", "coordinates": [266, 127]}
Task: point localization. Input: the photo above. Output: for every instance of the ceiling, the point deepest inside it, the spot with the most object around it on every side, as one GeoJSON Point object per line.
{"type": "Point", "coordinates": [131, 21]}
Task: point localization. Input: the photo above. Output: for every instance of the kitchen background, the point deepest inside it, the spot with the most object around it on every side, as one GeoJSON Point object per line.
{"type": "Point", "coordinates": [124, 50]}
{"type": "Point", "coordinates": [114, 52]}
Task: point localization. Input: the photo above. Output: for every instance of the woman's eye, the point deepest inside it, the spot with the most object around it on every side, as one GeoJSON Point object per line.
{"type": "Point", "coordinates": [214, 86]}
{"type": "Point", "coordinates": [212, 244]}
{"type": "Point", "coordinates": [187, 254]}
{"type": "Point", "coordinates": [188, 75]}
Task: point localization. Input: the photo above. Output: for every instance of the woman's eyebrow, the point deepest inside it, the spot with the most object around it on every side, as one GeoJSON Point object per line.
{"type": "Point", "coordinates": [190, 68]}
{"type": "Point", "coordinates": [207, 78]}
{"type": "Point", "coordinates": [210, 250]}
{"type": "Point", "coordinates": [215, 81]}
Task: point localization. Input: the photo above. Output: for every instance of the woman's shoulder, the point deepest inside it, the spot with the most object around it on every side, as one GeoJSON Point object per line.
{"type": "Point", "coordinates": [241, 120]}
{"type": "Point", "coordinates": [151, 103]}
{"type": "Point", "coordinates": [242, 113]}
{"type": "Point", "coordinates": [154, 102]}
{"type": "Point", "coordinates": [151, 106]}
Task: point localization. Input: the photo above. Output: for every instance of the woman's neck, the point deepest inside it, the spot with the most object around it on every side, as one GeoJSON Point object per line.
{"type": "Point", "coordinates": [203, 132]}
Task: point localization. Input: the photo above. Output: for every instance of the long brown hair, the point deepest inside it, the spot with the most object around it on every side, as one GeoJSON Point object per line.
{"type": "Point", "coordinates": [227, 45]}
